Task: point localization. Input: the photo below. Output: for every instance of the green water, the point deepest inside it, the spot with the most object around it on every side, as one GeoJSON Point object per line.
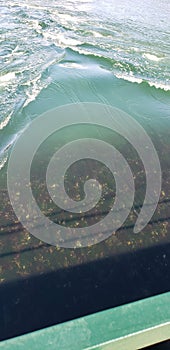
{"type": "Point", "coordinates": [57, 53]}
{"type": "Point", "coordinates": [54, 53]}
{"type": "Point", "coordinates": [111, 52]}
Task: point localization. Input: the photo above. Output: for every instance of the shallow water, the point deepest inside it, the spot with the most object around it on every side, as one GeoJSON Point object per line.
{"type": "Point", "coordinates": [56, 53]}
{"type": "Point", "coordinates": [87, 51]}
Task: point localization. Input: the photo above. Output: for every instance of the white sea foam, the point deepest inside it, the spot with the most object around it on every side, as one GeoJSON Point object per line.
{"type": "Point", "coordinates": [72, 65]}
{"type": "Point", "coordinates": [152, 57]}
{"type": "Point", "coordinates": [61, 40]}
{"type": "Point", "coordinates": [3, 162]}
{"type": "Point", "coordinates": [160, 86]}
{"type": "Point", "coordinates": [133, 79]}
{"type": "Point", "coordinates": [129, 77]}
{"type": "Point", "coordinates": [4, 123]}
{"type": "Point", "coordinates": [7, 78]}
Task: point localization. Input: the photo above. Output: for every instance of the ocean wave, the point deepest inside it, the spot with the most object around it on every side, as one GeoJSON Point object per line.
{"type": "Point", "coordinates": [133, 79]}
{"type": "Point", "coordinates": [88, 27]}
{"type": "Point", "coordinates": [4, 123]}
{"type": "Point", "coordinates": [129, 77]}
{"type": "Point", "coordinates": [158, 85]}
{"type": "Point", "coordinates": [123, 70]}
{"type": "Point", "coordinates": [37, 36]}
{"type": "Point", "coordinates": [23, 80]}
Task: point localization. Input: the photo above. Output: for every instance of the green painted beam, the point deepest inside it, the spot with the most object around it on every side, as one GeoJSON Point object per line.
{"type": "Point", "coordinates": [128, 327]}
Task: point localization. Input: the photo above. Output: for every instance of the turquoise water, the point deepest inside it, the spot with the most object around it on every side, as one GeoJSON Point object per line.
{"type": "Point", "coordinates": [116, 52]}
{"type": "Point", "coordinates": [111, 52]}
{"type": "Point", "coordinates": [52, 53]}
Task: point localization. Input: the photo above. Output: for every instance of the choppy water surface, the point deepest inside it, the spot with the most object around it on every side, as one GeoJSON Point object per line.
{"type": "Point", "coordinates": [129, 38]}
